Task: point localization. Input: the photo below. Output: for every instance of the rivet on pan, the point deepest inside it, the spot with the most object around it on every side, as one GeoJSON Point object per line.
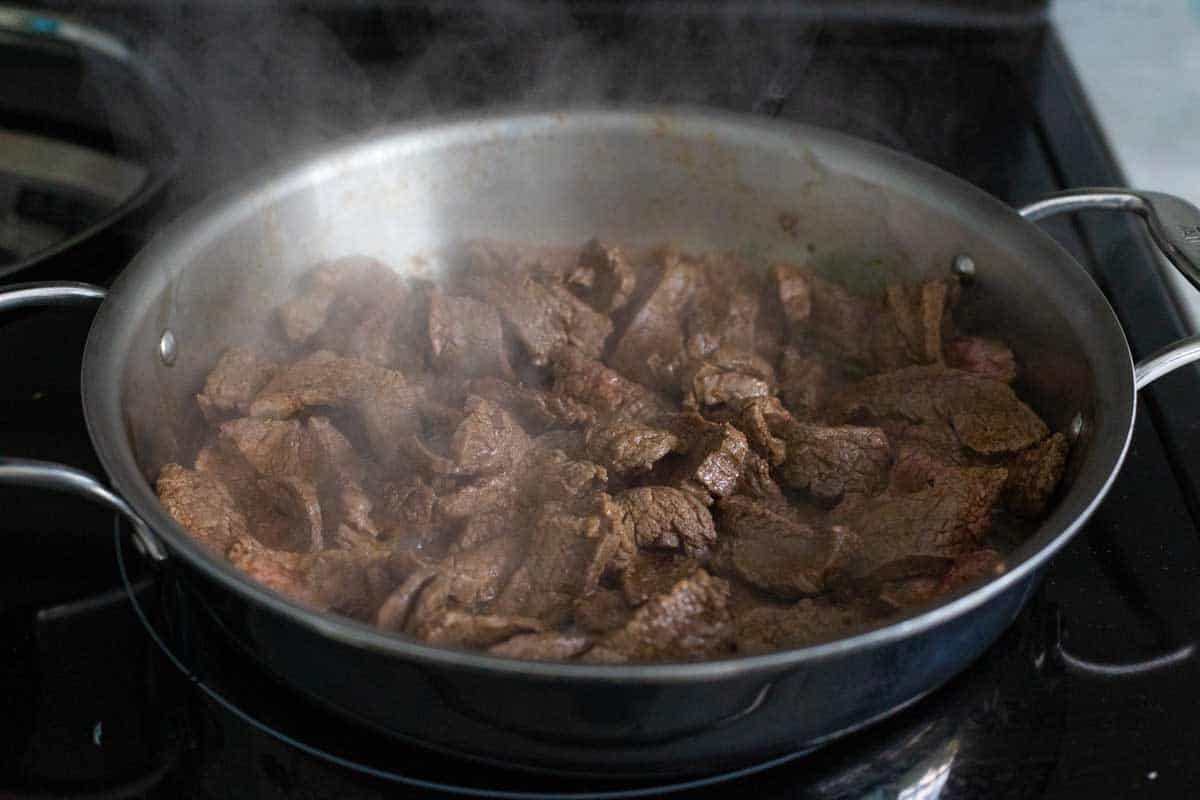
{"type": "Point", "coordinates": [167, 349]}
{"type": "Point", "coordinates": [964, 267]}
{"type": "Point", "coordinates": [1075, 429]}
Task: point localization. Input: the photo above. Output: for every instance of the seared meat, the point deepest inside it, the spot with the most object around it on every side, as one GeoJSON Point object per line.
{"type": "Point", "coordinates": [627, 447]}
{"type": "Point", "coordinates": [233, 383]}
{"type": "Point", "coordinates": [465, 337]}
{"type": "Point", "coordinates": [988, 358]}
{"type": "Point", "coordinates": [985, 415]}
{"type": "Point", "coordinates": [603, 277]}
{"type": "Point", "coordinates": [738, 460]}
{"type": "Point", "coordinates": [542, 646]}
{"type": "Point", "coordinates": [830, 462]}
{"type": "Point", "coordinates": [665, 518]}
{"type": "Point", "coordinates": [202, 504]}
{"type": "Point", "coordinates": [769, 628]}
{"type": "Point", "coordinates": [692, 621]}
{"type": "Point", "coordinates": [1033, 475]}
{"type": "Point", "coordinates": [779, 555]}
{"type": "Point", "coordinates": [650, 351]}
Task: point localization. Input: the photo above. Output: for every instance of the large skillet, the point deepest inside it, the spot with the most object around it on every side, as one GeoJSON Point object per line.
{"type": "Point", "coordinates": [700, 180]}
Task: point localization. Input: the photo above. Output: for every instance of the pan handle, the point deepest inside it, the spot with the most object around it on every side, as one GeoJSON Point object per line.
{"type": "Point", "coordinates": [59, 477]}
{"type": "Point", "coordinates": [1174, 226]}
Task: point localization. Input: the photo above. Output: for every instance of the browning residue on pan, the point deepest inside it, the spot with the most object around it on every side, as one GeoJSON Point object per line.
{"type": "Point", "coordinates": [599, 455]}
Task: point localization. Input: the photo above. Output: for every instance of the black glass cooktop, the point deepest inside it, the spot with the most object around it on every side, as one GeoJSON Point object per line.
{"type": "Point", "coordinates": [1090, 693]}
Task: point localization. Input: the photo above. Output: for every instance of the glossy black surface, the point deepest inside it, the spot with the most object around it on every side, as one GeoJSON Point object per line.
{"type": "Point", "coordinates": [999, 108]}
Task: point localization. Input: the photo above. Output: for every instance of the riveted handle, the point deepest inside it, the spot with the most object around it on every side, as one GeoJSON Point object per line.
{"type": "Point", "coordinates": [1174, 226]}
{"type": "Point", "coordinates": [60, 477]}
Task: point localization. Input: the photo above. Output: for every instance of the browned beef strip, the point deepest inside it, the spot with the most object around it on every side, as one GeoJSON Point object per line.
{"type": "Point", "coordinates": [478, 574]}
{"type": "Point", "coordinates": [536, 410]}
{"type": "Point", "coordinates": [394, 612]}
{"type": "Point", "coordinates": [985, 415]}
{"type": "Point", "coordinates": [1034, 474]}
{"type": "Point", "coordinates": [603, 277]}
{"type": "Point", "coordinates": [792, 288]}
{"type": "Point", "coordinates": [203, 505]}
{"type": "Point", "coordinates": [487, 493]}
{"type": "Point", "coordinates": [488, 440]}
{"type": "Point", "coordinates": [296, 506]}
{"type": "Point", "coordinates": [602, 611]}
{"type": "Point", "coordinates": [549, 474]}
{"type": "Point", "coordinates": [409, 508]}
{"type": "Point", "coordinates": [755, 418]}
{"type": "Point", "coordinates": [665, 518]}
{"type": "Point", "coordinates": [944, 520]}
{"type": "Point", "coordinates": [654, 572]}
{"type": "Point", "coordinates": [454, 628]}
{"type": "Point", "coordinates": [626, 447]}
{"type": "Point", "coordinates": [777, 554]}
{"type": "Point", "coordinates": [275, 448]}
{"type": "Point", "coordinates": [923, 589]}
{"type": "Point", "coordinates": [543, 646]}
{"type": "Point", "coordinates": [766, 629]}
{"type": "Point", "coordinates": [725, 376]}
{"type": "Point", "coordinates": [651, 348]}
{"type": "Point", "coordinates": [842, 323]}
{"type": "Point", "coordinates": [723, 316]}
{"type": "Point", "coordinates": [714, 455]}
{"type": "Point", "coordinates": [567, 554]}
{"type": "Point", "coordinates": [588, 381]}
{"type": "Point", "coordinates": [830, 462]}
{"type": "Point", "coordinates": [802, 382]}
{"type": "Point", "coordinates": [233, 383]}
{"type": "Point", "coordinates": [920, 314]}
{"type": "Point", "coordinates": [970, 567]}
{"type": "Point", "coordinates": [465, 337]}
{"type": "Point", "coordinates": [337, 580]}
{"type": "Point", "coordinates": [508, 260]}
{"type": "Point", "coordinates": [545, 317]}
{"type": "Point", "coordinates": [989, 358]}
{"type": "Point", "coordinates": [690, 622]}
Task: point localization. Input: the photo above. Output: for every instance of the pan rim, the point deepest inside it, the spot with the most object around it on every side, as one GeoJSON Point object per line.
{"type": "Point", "coordinates": [167, 254]}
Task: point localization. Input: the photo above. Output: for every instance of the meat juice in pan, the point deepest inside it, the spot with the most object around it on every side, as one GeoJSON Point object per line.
{"type": "Point", "coordinates": [594, 455]}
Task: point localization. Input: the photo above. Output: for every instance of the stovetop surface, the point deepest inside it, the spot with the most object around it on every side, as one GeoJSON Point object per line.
{"type": "Point", "coordinates": [1090, 693]}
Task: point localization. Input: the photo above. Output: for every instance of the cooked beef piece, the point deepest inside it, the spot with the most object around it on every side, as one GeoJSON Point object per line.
{"type": "Point", "coordinates": [333, 580]}
{"type": "Point", "coordinates": [830, 462]}
{"type": "Point", "coordinates": [653, 572]}
{"type": "Point", "coordinates": [985, 415]}
{"type": "Point", "coordinates": [920, 590]}
{"type": "Point", "coordinates": [566, 557]}
{"type": "Point", "coordinates": [477, 575]}
{"type": "Point", "coordinates": [454, 628]}
{"type": "Point", "coordinates": [755, 418]}
{"type": "Point", "coordinates": [842, 323]}
{"type": "Point", "coordinates": [588, 381]}
{"type": "Point", "coordinates": [920, 313]}
{"type": "Point", "coordinates": [487, 441]}
{"type": "Point", "coordinates": [572, 443]}
{"type": "Point", "coordinates": [203, 505]}
{"type": "Point", "coordinates": [511, 259]}
{"type": "Point", "coordinates": [602, 611]}
{"type": "Point", "coordinates": [777, 554]}
{"type": "Point", "coordinates": [756, 480]}
{"type": "Point", "coordinates": [603, 277]}
{"type": "Point", "coordinates": [550, 474]}
{"type": "Point", "coordinates": [542, 646]}
{"type": "Point", "coordinates": [989, 358]}
{"type": "Point", "coordinates": [627, 447]}
{"type": "Point", "coordinates": [465, 337]}
{"type": "Point", "coordinates": [769, 628]}
{"type": "Point", "coordinates": [360, 308]}
{"type": "Point", "coordinates": [802, 382]}
{"type": "Point", "coordinates": [233, 383]}
{"type": "Point", "coordinates": [722, 318]}
{"type": "Point", "coordinates": [665, 518]}
{"type": "Point", "coordinates": [296, 506]}
{"type": "Point", "coordinates": [481, 528]}
{"type": "Point", "coordinates": [387, 405]}
{"type": "Point", "coordinates": [690, 622]}
{"type": "Point", "coordinates": [792, 288]}
{"type": "Point", "coordinates": [1033, 475]}
{"type": "Point", "coordinates": [393, 614]}
{"type": "Point", "coordinates": [276, 448]}
{"type": "Point", "coordinates": [650, 350]}
{"type": "Point", "coordinates": [944, 520]}
{"type": "Point", "coordinates": [534, 409]}
{"type": "Point", "coordinates": [714, 455]}
{"type": "Point", "coordinates": [917, 467]}
{"type": "Point", "coordinates": [485, 494]}
{"type": "Point", "coordinates": [545, 317]}
{"type": "Point", "coordinates": [409, 506]}
{"type": "Point", "coordinates": [727, 376]}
